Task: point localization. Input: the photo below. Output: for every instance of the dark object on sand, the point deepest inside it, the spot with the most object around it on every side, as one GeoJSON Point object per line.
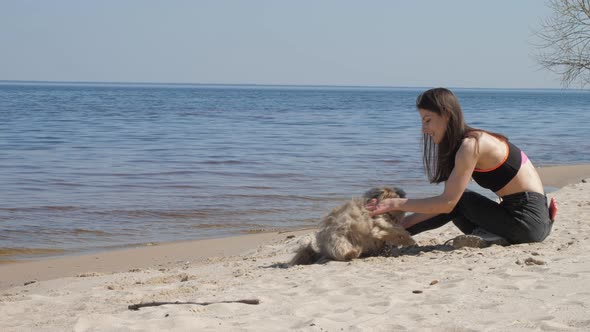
{"type": "Point", "coordinates": [155, 304]}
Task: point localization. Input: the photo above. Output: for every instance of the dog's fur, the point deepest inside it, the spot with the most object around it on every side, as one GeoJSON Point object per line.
{"type": "Point", "coordinates": [350, 232]}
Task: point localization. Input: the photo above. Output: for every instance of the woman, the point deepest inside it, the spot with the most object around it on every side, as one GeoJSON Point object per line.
{"type": "Point", "coordinates": [454, 153]}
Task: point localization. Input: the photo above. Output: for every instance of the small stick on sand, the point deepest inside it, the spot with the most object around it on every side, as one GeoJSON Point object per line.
{"type": "Point", "coordinates": [155, 304]}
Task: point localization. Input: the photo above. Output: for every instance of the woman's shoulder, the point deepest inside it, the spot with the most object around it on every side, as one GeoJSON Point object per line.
{"type": "Point", "coordinates": [485, 138]}
{"type": "Point", "coordinates": [474, 133]}
{"type": "Point", "coordinates": [485, 145]}
{"type": "Point", "coordinates": [478, 142]}
{"type": "Point", "coordinates": [469, 146]}
{"type": "Point", "coordinates": [468, 149]}
{"type": "Point", "coordinates": [467, 154]}
{"type": "Point", "coordinates": [471, 138]}
{"type": "Point", "coordinates": [480, 133]}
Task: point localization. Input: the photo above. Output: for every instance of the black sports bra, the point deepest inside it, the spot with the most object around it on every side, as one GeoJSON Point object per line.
{"type": "Point", "coordinates": [497, 177]}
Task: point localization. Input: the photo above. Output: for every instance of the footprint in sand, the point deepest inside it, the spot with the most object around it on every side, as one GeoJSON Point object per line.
{"type": "Point", "coordinates": [380, 304]}
{"type": "Point", "coordinates": [564, 274]}
{"type": "Point", "coordinates": [450, 283]}
{"type": "Point", "coordinates": [508, 287]}
{"type": "Point", "coordinates": [488, 305]}
{"type": "Point", "coordinates": [579, 323]}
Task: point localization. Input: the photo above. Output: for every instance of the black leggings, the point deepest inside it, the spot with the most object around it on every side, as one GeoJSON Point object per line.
{"type": "Point", "coordinates": [519, 218]}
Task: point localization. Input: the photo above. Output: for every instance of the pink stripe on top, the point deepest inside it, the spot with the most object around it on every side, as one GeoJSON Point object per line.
{"type": "Point", "coordinates": [524, 158]}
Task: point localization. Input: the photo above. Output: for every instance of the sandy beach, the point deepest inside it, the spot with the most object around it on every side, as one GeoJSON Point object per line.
{"type": "Point", "coordinates": [434, 287]}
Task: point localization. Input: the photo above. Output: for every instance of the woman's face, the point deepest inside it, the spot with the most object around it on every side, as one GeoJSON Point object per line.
{"type": "Point", "coordinates": [433, 125]}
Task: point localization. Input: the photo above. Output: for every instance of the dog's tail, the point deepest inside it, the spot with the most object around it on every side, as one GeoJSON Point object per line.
{"type": "Point", "coordinates": [305, 255]}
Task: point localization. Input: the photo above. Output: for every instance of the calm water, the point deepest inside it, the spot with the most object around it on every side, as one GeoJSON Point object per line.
{"type": "Point", "coordinates": [88, 167]}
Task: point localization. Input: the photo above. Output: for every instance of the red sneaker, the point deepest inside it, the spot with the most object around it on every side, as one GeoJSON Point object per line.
{"type": "Point", "coordinates": [552, 209]}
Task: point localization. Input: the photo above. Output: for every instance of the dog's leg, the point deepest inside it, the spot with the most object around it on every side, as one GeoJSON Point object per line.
{"type": "Point", "coordinates": [341, 249]}
{"type": "Point", "coordinates": [352, 254]}
{"type": "Point", "coordinates": [399, 239]}
{"type": "Point", "coordinates": [393, 234]}
{"type": "Point", "coordinates": [305, 255]}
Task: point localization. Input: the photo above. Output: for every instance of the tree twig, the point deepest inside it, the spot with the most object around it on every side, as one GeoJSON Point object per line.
{"type": "Point", "coordinates": [155, 304]}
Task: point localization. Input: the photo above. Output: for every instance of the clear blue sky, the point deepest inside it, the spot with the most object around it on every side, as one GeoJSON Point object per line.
{"type": "Point", "coordinates": [454, 43]}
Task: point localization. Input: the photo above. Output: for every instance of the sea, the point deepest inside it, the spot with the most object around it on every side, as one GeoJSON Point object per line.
{"type": "Point", "coordinates": [87, 167]}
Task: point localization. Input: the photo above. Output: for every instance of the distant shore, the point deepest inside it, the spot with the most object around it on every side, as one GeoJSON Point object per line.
{"type": "Point", "coordinates": [276, 85]}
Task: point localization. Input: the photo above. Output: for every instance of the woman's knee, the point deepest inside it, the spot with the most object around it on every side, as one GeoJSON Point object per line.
{"type": "Point", "coordinates": [464, 225]}
{"type": "Point", "coordinates": [530, 235]}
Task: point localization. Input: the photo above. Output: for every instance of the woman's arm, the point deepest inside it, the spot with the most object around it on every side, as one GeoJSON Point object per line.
{"type": "Point", "coordinates": [465, 161]}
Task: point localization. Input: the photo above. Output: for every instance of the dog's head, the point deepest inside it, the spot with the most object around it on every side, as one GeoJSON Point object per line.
{"type": "Point", "coordinates": [382, 193]}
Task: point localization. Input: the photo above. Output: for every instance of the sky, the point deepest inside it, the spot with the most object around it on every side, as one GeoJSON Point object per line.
{"type": "Point", "coordinates": [401, 43]}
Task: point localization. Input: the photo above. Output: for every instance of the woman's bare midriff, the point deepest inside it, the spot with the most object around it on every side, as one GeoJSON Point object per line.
{"type": "Point", "coordinates": [527, 179]}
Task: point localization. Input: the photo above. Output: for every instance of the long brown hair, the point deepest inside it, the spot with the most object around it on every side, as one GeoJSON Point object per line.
{"type": "Point", "coordinates": [439, 160]}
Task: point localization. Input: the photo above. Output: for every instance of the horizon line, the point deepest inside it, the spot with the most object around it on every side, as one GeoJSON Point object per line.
{"type": "Point", "coordinates": [272, 85]}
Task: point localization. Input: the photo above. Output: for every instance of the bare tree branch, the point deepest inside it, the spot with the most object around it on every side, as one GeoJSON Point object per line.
{"type": "Point", "coordinates": [563, 44]}
{"type": "Point", "coordinates": [155, 304]}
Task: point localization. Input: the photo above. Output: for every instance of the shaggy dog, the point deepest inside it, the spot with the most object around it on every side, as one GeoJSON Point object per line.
{"type": "Point", "coordinates": [349, 231]}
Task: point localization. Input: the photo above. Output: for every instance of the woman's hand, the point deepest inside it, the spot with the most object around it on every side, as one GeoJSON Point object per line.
{"type": "Point", "coordinates": [386, 205]}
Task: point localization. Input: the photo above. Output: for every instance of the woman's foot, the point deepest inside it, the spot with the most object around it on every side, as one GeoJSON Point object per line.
{"type": "Point", "coordinates": [552, 209]}
{"type": "Point", "coordinates": [479, 238]}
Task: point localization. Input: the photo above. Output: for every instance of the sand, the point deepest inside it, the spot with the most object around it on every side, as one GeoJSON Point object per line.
{"type": "Point", "coordinates": [540, 286]}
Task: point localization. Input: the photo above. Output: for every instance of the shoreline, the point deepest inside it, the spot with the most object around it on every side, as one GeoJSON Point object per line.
{"type": "Point", "coordinates": [15, 272]}
{"type": "Point", "coordinates": [240, 284]}
{"type": "Point", "coordinates": [563, 175]}
{"type": "Point", "coordinates": [163, 255]}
